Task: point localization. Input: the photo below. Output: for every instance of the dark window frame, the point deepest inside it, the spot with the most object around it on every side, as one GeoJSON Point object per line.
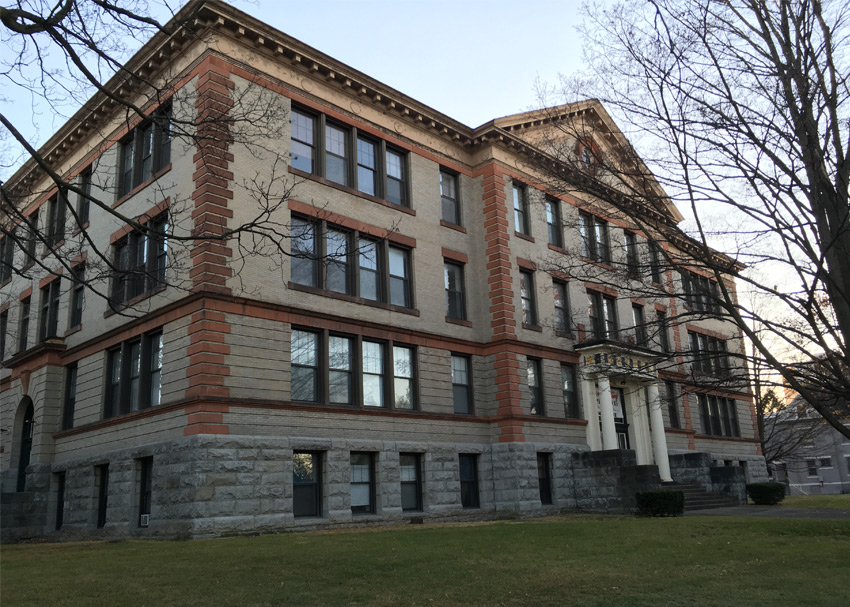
{"type": "Point", "coordinates": [140, 261]}
{"type": "Point", "coordinates": [534, 372]}
{"type": "Point", "coordinates": [450, 205]}
{"type": "Point", "coordinates": [386, 185]}
{"type": "Point", "coordinates": [571, 396]}
{"type": "Point", "coordinates": [123, 394]}
{"type": "Point", "coordinates": [83, 200]}
{"type": "Point", "coordinates": [522, 223]}
{"type": "Point", "coordinates": [313, 266]}
{"type": "Point", "coordinates": [708, 354]}
{"type": "Point", "coordinates": [24, 323]}
{"type": "Point", "coordinates": [595, 238]}
{"type": "Point", "coordinates": [544, 478]}
{"type": "Point", "coordinates": [78, 296]}
{"type": "Point", "coordinates": [718, 416]}
{"type": "Point", "coordinates": [639, 325]}
{"type": "Point", "coordinates": [555, 231]}
{"type": "Point", "coordinates": [671, 399]}
{"type": "Point", "coordinates": [7, 256]}
{"type": "Point", "coordinates": [459, 388]}
{"type": "Point", "coordinates": [662, 327]}
{"type": "Point", "coordinates": [145, 151]}
{"type": "Point", "coordinates": [307, 493]}
{"type": "Point", "coordinates": [102, 477]}
{"type": "Point", "coordinates": [631, 253]}
{"type": "Point", "coordinates": [455, 297]}
{"type": "Point", "coordinates": [321, 371]}
{"type": "Point", "coordinates": [70, 400]}
{"type": "Point", "coordinates": [603, 315]}
{"type": "Point", "coordinates": [470, 496]}
{"type": "Point", "coordinates": [655, 257]}
{"type": "Point", "coordinates": [528, 297]}
{"type": "Point", "coordinates": [55, 226]}
{"type": "Point", "coordinates": [145, 467]}
{"type": "Point", "coordinates": [563, 316]}
{"type": "Point", "coordinates": [48, 322]}
{"type": "Point", "coordinates": [415, 484]}
{"type": "Point", "coordinates": [371, 507]}
{"type": "Point", "coordinates": [4, 328]}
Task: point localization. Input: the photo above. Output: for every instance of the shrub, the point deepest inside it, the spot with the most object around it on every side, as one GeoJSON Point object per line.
{"type": "Point", "coordinates": [766, 494]}
{"type": "Point", "coordinates": [660, 503]}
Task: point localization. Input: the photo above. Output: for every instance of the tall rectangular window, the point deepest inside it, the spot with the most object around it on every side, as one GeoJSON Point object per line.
{"type": "Point", "coordinates": [403, 377]}
{"type": "Point", "coordinates": [307, 483]}
{"type": "Point", "coordinates": [411, 484]}
{"type": "Point", "coordinates": [140, 260]}
{"type": "Point", "coordinates": [570, 392]}
{"type": "Point", "coordinates": [23, 334]}
{"type": "Point", "coordinates": [562, 307]}
{"type": "Point", "coordinates": [708, 354]}
{"type": "Point", "coordinates": [145, 465]}
{"type": "Point", "coordinates": [102, 481]}
{"type": "Point", "coordinates": [455, 300]}
{"type": "Point", "coordinates": [303, 149]}
{"type": "Point", "coordinates": [461, 384]}
{"type": "Point", "coordinates": [346, 157]}
{"type": "Point", "coordinates": [60, 500]}
{"type": "Point", "coordinates": [56, 219]}
{"type": "Point", "coordinates": [544, 477]}
{"type": "Point", "coordinates": [521, 219]}
{"type": "Point", "coordinates": [32, 238]}
{"type": "Point", "coordinates": [639, 323]}
{"type": "Point", "coordinates": [70, 396]}
{"type": "Point", "coordinates": [83, 200]}
{"type": "Point", "coordinates": [305, 366]}
{"type": "Point", "coordinates": [655, 259]}
{"type": "Point", "coordinates": [661, 327]}
{"type": "Point", "coordinates": [134, 372]}
{"type": "Point", "coordinates": [373, 374]}
{"type": "Point", "coordinates": [535, 385]}
{"type": "Point", "coordinates": [527, 297]}
{"type": "Point", "coordinates": [603, 315]}
{"type": "Point", "coordinates": [336, 154]}
{"type": "Point", "coordinates": [78, 294]}
{"type": "Point", "coordinates": [305, 264]}
{"type": "Point", "coordinates": [553, 221]}
{"type": "Point", "coordinates": [399, 277]}
{"type": "Point", "coordinates": [337, 263]}
{"type": "Point", "coordinates": [594, 238]}
{"type": "Point", "coordinates": [340, 368]}
{"type": "Point", "coordinates": [49, 320]}
{"type": "Point", "coordinates": [811, 467]}
{"type": "Point", "coordinates": [7, 257]}
{"type": "Point", "coordinates": [4, 327]}
{"type": "Point", "coordinates": [362, 482]}
{"type": "Point", "coordinates": [145, 151]}
{"type": "Point", "coordinates": [449, 198]}
{"type": "Point", "coordinates": [370, 271]}
{"type": "Point", "coordinates": [469, 480]}
{"type": "Point", "coordinates": [670, 398]}
{"type": "Point", "coordinates": [632, 263]}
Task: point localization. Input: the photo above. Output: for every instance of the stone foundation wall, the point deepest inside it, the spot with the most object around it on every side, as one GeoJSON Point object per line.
{"type": "Point", "coordinates": [216, 485]}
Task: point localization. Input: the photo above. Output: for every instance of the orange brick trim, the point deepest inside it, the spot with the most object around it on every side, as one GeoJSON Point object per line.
{"type": "Point", "coordinates": [707, 332]}
{"type": "Point", "coordinates": [660, 307]}
{"type": "Point", "coordinates": [526, 264]}
{"type": "Point", "coordinates": [557, 274]}
{"type": "Point", "coordinates": [4, 307]}
{"type": "Point", "coordinates": [79, 259]}
{"type": "Point", "coordinates": [212, 176]}
{"type": "Point", "coordinates": [55, 275]}
{"type": "Point", "coordinates": [592, 286]}
{"type": "Point", "coordinates": [25, 293]}
{"type": "Point", "coordinates": [640, 301]}
{"type": "Point", "coordinates": [455, 255]}
{"type": "Point", "coordinates": [208, 353]}
{"type": "Point", "coordinates": [142, 219]}
{"type": "Point", "coordinates": [352, 224]}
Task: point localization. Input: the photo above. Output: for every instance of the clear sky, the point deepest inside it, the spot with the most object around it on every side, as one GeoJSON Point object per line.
{"type": "Point", "coordinates": [473, 60]}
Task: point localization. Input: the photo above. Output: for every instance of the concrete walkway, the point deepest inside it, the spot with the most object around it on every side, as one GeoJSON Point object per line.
{"type": "Point", "coordinates": [773, 511]}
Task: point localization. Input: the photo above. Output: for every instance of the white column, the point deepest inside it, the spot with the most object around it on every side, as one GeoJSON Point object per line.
{"type": "Point", "coordinates": [659, 440]}
{"type": "Point", "coordinates": [591, 413]}
{"type": "Point", "coordinates": [609, 432]}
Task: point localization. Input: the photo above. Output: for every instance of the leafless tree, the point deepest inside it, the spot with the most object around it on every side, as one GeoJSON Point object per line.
{"type": "Point", "coordinates": [77, 57]}
{"type": "Point", "coordinates": [742, 111]}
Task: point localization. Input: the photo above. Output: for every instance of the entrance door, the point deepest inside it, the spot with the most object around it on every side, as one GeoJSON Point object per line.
{"type": "Point", "coordinates": [26, 448]}
{"type": "Point", "coordinates": [621, 425]}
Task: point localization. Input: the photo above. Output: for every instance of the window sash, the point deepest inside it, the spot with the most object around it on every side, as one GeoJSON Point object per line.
{"type": "Point", "coordinates": [306, 483]}
{"type": "Point", "coordinates": [553, 220]}
{"type": "Point", "coordinates": [562, 310]}
{"type": "Point", "coordinates": [544, 477]}
{"type": "Point", "coordinates": [527, 297]}
{"type": "Point", "coordinates": [362, 482]}
{"type": "Point", "coordinates": [49, 321]}
{"type": "Point", "coordinates": [520, 210]}
{"type": "Point", "coordinates": [78, 292]}
{"type": "Point", "coordinates": [461, 382]}
{"type": "Point", "coordinates": [411, 485]}
{"type": "Point", "coordinates": [469, 495]}
{"type": "Point", "coordinates": [639, 323]}
{"type": "Point", "coordinates": [535, 390]}
{"type": "Point", "coordinates": [449, 199]}
{"type": "Point", "coordinates": [570, 392]}
{"type": "Point", "coordinates": [455, 304]}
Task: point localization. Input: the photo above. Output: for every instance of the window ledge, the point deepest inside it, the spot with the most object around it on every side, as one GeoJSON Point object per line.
{"type": "Point", "coordinates": [557, 249]}
{"type": "Point", "coordinates": [352, 191]}
{"type": "Point", "coordinates": [351, 298]}
{"type": "Point", "coordinates": [537, 328]}
{"type": "Point", "coordinates": [72, 330]}
{"type": "Point", "coordinates": [523, 236]}
{"type": "Point", "coordinates": [51, 249]}
{"type": "Point", "coordinates": [141, 186]}
{"type": "Point", "coordinates": [132, 302]}
{"type": "Point", "coordinates": [458, 321]}
{"type": "Point", "coordinates": [5, 282]}
{"type": "Point", "coordinates": [452, 226]}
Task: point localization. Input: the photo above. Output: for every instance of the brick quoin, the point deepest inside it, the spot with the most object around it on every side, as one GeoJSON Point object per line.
{"type": "Point", "coordinates": [502, 310]}
{"type": "Point", "coordinates": [208, 351]}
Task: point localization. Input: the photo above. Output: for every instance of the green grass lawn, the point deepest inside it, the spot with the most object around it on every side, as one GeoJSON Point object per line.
{"type": "Point", "coordinates": [571, 560]}
{"type": "Point", "coordinates": [837, 502]}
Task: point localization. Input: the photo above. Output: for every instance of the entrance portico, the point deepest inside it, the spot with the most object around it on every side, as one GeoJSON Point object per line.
{"type": "Point", "coordinates": [631, 373]}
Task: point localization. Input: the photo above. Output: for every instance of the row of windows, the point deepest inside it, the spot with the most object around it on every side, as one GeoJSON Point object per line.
{"type": "Point", "coordinates": [708, 354]}
{"type": "Point", "coordinates": [140, 259]}
{"type": "Point", "coordinates": [719, 416]}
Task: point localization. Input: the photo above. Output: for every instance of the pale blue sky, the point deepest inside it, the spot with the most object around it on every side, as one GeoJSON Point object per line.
{"type": "Point", "coordinates": [473, 60]}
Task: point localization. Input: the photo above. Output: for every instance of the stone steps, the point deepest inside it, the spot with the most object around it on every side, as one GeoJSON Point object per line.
{"type": "Point", "coordinates": [697, 498]}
